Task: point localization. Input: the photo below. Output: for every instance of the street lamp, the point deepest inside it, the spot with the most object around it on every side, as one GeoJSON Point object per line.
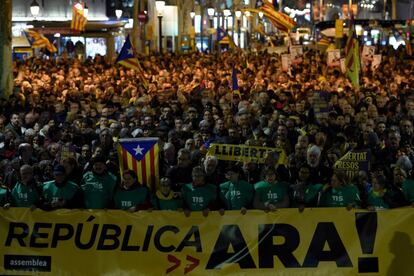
{"type": "Point", "coordinates": [192, 15]}
{"type": "Point", "coordinates": [238, 14]}
{"type": "Point", "coordinates": [261, 15]}
{"type": "Point", "coordinates": [226, 13]}
{"type": "Point", "coordinates": [34, 9]}
{"type": "Point", "coordinates": [247, 14]}
{"type": "Point", "coordinates": [210, 12]}
{"type": "Point", "coordinates": [118, 13]}
{"type": "Point", "coordinates": [159, 5]}
{"type": "Point", "coordinates": [85, 10]}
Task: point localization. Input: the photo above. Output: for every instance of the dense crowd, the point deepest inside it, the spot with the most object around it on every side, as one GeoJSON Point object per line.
{"type": "Point", "coordinates": [60, 127]}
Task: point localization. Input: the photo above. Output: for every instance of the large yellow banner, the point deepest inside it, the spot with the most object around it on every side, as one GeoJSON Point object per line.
{"type": "Point", "coordinates": [285, 242]}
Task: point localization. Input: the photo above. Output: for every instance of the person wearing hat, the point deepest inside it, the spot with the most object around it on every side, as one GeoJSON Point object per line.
{"type": "Point", "coordinates": [236, 193]}
{"type": "Point", "coordinates": [98, 185]}
{"type": "Point", "coordinates": [61, 193]}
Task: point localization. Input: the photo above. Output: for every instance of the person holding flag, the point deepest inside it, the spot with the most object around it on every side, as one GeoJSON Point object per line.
{"type": "Point", "coordinates": [235, 82]}
{"type": "Point", "coordinates": [128, 59]}
{"type": "Point", "coordinates": [352, 61]}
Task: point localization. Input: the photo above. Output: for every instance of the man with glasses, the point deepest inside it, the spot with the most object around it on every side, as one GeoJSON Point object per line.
{"type": "Point", "coordinates": [198, 195]}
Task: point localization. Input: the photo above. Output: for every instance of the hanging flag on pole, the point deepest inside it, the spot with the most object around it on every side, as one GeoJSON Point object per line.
{"type": "Point", "coordinates": [235, 82]}
{"type": "Point", "coordinates": [127, 58]}
{"type": "Point", "coordinates": [79, 19]}
{"type": "Point", "coordinates": [141, 156]}
{"type": "Point", "coordinates": [352, 60]}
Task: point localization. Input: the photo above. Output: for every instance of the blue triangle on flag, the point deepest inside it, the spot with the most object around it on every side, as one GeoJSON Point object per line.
{"type": "Point", "coordinates": [138, 148]}
{"type": "Point", "coordinates": [127, 51]}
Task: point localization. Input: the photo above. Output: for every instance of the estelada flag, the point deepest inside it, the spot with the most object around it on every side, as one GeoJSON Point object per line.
{"type": "Point", "coordinates": [79, 20]}
{"type": "Point", "coordinates": [128, 59]}
{"type": "Point", "coordinates": [40, 41]}
{"type": "Point", "coordinates": [141, 156]}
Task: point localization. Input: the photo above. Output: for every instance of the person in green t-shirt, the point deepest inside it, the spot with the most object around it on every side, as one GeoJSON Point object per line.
{"type": "Point", "coordinates": [61, 193]}
{"type": "Point", "coordinates": [198, 195]}
{"type": "Point", "coordinates": [131, 195]}
{"type": "Point", "coordinates": [26, 192]}
{"type": "Point", "coordinates": [98, 185]}
{"type": "Point", "coordinates": [270, 193]}
{"type": "Point", "coordinates": [4, 196]}
{"type": "Point", "coordinates": [408, 190]}
{"type": "Point", "coordinates": [377, 195]}
{"type": "Point", "coordinates": [165, 198]}
{"type": "Point", "coordinates": [339, 193]}
{"type": "Point", "coordinates": [236, 194]}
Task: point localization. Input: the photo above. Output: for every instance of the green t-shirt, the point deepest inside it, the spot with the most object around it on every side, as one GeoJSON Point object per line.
{"type": "Point", "coordinates": [161, 202]}
{"type": "Point", "coordinates": [270, 194]}
{"type": "Point", "coordinates": [408, 189]}
{"type": "Point", "coordinates": [3, 196]}
{"type": "Point", "coordinates": [236, 195]}
{"type": "Point", "coordinates": [98, 190]}
{"type": "Point", "coordinates": [24, 196]}
{"type": "Point", "coordinates": [341, 197]}
{"type": "Point", "coordinates": [311, 193]}
{"type": "Point", "coordinates": [198, 198]}
{"type": "Point", "coordinates": [376, 201]}
{"type": "Point", "coordinates": [125, 199]}
{"type": "Point", "coordinates": [52, 193]}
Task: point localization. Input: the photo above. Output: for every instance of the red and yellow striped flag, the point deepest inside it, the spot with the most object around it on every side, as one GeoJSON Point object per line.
{"type": "Point", "coordinates": [40, 41]}
{"type": "Point", "coordinates": [127, 58]}
{"type": "Point", "coordinates": [141, 156]}
{"type": "Point", "coordinates": [79, 20]}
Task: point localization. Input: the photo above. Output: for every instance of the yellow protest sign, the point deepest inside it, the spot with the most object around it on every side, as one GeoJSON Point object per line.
{"type": "Point", "coordinates": [245, 153]}
{"type": "Point", "coordinates": [339, 28]}
{"type": "Point", "coordinates": [315, 242]}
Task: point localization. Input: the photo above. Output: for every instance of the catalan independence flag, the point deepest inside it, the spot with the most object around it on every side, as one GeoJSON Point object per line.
{"type": "Point", "coordinates": [40, 41]}
{"type": "Point", "coordinates": [128, 59]}
{"type": "Point", "coordinates": [79, 20]}
{"type": "Point", "coordinates": [235, 82]}
{"type": "Point", "coordinates": [352, 61]}
{"type": "Point", "coordinates": [279, 19]}
{"type": "Point", "coordinates": [141, 156]}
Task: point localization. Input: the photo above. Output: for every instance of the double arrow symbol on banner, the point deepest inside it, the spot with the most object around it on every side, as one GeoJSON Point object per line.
{"type": "Point", "coordinates": [177, 262]}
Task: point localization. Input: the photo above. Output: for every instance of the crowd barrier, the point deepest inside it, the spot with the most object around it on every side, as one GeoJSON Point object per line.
{"type": "Point", "coordinates": [322, 241]}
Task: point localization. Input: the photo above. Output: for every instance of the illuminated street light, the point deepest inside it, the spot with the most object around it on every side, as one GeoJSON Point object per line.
{"type": "Point", "coordinates": [118, 13]}
{"type": "Point", "coordinates": [86, 11]}
{"type": "Point", "coordinates": [159, 5]}
{"type": "Point", "coordinates": [34, 9]}
{"type": "Point", "coordinates": [261, 15]}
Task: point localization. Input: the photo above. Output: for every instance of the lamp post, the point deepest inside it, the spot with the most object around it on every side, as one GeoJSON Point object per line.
{"type": "Point", "coordinates": [238, 14]}
{"type": "Point", "coordinates": [192, 15]}
{"type": "Point", "coordinates": [226, 13]}
{"type": "Point", "coordinates": [85, 11]}
{"type": "Point", "coordinates": [118, 13]}
{"type": "Point", "coordinates": [34, 9]}
{"type": "Point", "coordinates": [210, 12]}
{"type": "Point", "coordinates": [159, 5]}
{"type": "Point", "coordinates": [261, 22]}
{"type": "Point", "coordinates": [247, 14]}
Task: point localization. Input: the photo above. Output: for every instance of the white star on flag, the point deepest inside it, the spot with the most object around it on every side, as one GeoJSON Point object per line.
{"type": "Point", "coordinates": [138, 150]}
{"type": "Point", "coordinates": [130, 51]}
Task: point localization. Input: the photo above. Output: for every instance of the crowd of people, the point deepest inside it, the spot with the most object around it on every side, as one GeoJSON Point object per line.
{"type": "Point", "coordinates": [60, 127]}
